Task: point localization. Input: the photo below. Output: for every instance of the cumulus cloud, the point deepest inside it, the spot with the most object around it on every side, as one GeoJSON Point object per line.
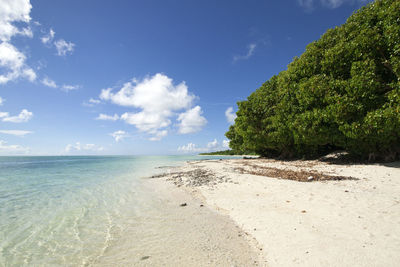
{"type": "Point", "coordinates": [211, 146]}
{"type": "Point", "coordinates": [78, 147]}
{"type": "Point", "coordinates": [19, 133]}
{"type": "Point", "coordinates": [192, 148]}
{"type": "Point", "coordinates": [158, 101]}
{"type": "Point", "coordinates": [12, 11]}
{"type": "Point", "coordinates": [23, 116]}
{"type": "Point", "coordinates": [13, 61]}
{"type": "Point", "coordinates": [191, 121]}
{"type": "Point", "coordinates": [250, 51]}
{"type": "Point", "coordinates": [230, 115]}
{"type": "Point", "coordinates": [105, 117]}
{"type": "Point", "coordinates": [12, 149]}
{"type": "Point", "coordinates": [1, 101]}
{"type": "Point", "coordinates": [147, 121]}
{"type": "Point", "coordinates": [119, 135]}
{"type": "Point", "coordinates": [63, 47]}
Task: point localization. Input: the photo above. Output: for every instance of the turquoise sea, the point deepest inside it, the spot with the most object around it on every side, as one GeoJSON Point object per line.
{"type": "Point", "coordinates": [67, 210]}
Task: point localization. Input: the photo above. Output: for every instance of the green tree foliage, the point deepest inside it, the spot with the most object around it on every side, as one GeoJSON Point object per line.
{"type": "Point", "coordinates": [342, 92]}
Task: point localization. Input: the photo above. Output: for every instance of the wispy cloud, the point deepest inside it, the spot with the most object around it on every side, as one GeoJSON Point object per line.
{"type": "Point", "coordinates": [83, 148]}
{"type": "Point", "coordinates": [250, 51]}
{"type": "Point", "coordinates": [310, 5]}
{"type": "Point", "coordinates": [19, 133]}
{"type": "Point", "coordinates": [105, 117]}
{"type": "Point", "coordinates": [67, 88]}
{"type": "Point", "coordinates": [6, 149]}
{"type": "Point", "coordinates": [119, 135]}
{"type": "Point", "coordinates": [63, 47]}
{"type": "Point", "coordinates": [48, 38]}
{"type": "Point", "coordinates": [91, 103]}
{"type": "Point", "coordinates": [49, 82]}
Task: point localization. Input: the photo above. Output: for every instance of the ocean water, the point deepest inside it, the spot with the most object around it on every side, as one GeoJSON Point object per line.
{"type": "Point", "coordinates": [69, 210]}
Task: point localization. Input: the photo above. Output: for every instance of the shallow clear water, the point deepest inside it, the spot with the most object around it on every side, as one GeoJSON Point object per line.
{"type": "Point", "coordinates": [68, 210]}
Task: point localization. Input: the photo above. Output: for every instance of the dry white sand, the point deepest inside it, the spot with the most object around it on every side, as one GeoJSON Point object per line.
{"type": "Point", "coordinates": [319, 223]}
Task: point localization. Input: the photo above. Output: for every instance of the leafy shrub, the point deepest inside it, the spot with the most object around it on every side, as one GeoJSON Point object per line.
{"type": "Point", "coordinates": [342, 92]}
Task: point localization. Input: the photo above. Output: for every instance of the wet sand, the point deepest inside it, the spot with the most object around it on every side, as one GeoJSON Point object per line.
{"type": "Point", "coordinates": [174, 234]}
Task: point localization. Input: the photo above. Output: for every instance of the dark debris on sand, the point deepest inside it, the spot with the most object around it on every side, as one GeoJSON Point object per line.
{"type": "Point", "coordinates": [300, 176]}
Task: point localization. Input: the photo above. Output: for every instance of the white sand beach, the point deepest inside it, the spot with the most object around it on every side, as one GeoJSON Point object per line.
{"type": "Point", "coordinates": [349, 222]}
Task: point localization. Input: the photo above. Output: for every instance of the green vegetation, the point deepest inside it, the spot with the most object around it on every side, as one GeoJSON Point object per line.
{"type": "Point", "coordinates": [342, 92]}
{"type": "Point", "coordinates": [218, 153]}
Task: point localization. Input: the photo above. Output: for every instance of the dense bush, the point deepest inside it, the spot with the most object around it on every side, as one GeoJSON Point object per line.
{"type": "Point", "coordinates": [342, 92]}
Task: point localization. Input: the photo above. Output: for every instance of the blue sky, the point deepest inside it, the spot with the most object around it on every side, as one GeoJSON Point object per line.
{"type": "Point", "coordinates": [142, 77]}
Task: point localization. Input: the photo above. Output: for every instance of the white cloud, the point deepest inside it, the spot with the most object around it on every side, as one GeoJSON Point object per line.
{"type": "Point", "coordinates": [230, 115]}
{"type": "Point", "coordinates": [49, 83]}
{"type": "Point", "coordinates": [12, 61]}
{"type": "Point", "coordinates": [12, 149]}
{"type": "Point", "coordinates": [250, 51]}
{"type": "Point", "coordinates": [105, 117]}
{"type": "Point", "coordinates": [158, 135]}
{"type": "Point", "coordinates": [119, 135]}
{"type": "Point", "coordinates": [212, 144]}
{"type": "Point", "coordinates": [63, 47]}
{"type": "Point", "coordinates": [309, 5]}
{"type": "Point", "coordinates": [225, 144]}
{"type": "Point", "coordinates": [306, 4]}
{"type": "Point", "coordinates": [158, 100]}
{"type": "Point", "coordinates": [3, 114]}
{"type": "Point", "coordinates": [91, 103]}
{"type": "Point", "coordinates": [94, 101]}
{"type": "Point", "coordinates": [16, 132]}
{"type": "Point", "coordinates": [155, 93]}
{"type": "Point", "coordinates": [23, 116]}
{"type": "Point", "coordinates": [191, 121]}
{"type": "Point", "coordinates": [67, 88]}
{"type": "Point", "coordinates": [191, 148]}
{"type": "Point", "coordinates": [1, 101]}
{"type": "Point", "coordinates": [147, 121]}
{"type": "Point", "coordinates": [78, 147]}
{"type": "Point", "coordinates": [12, 11]}
{"type": "Point", "coordinates": [48, 38]}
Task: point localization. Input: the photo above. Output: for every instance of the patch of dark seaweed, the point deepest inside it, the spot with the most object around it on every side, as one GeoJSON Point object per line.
{"type": "Point", "coordinates": [300, 176]}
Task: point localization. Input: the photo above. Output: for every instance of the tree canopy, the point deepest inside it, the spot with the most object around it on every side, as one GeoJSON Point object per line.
{"type": "Point", "coordinates": [342, 92]}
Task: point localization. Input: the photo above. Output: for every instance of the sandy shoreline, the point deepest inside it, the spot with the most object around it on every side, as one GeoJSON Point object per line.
{"type": "Point", "coordinates": [343, 215]}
